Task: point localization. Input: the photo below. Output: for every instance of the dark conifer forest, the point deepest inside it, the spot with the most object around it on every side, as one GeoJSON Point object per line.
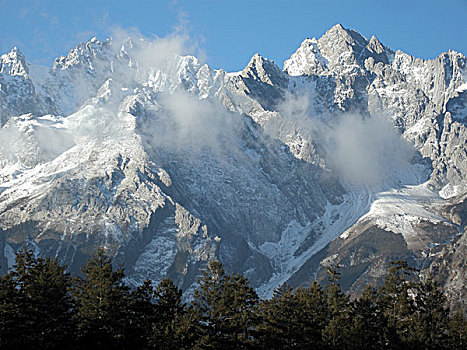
{"type": "Point", "coordinates": [44, 307]}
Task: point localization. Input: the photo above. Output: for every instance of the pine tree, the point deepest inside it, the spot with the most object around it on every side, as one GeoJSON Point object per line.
{"type": "Point", "coordinates": [102, 302]}
{"type": "Point", "coordinates": [292, 319]}
{"type": "Point", "coordinates": [279, 327]}
{"type": "Point", "coordinates": [206, 304]}
{"type": "Point", "coordinates": [170, 310]}
{"type": "Point", "coordinates": [336, 333]}
{"type": "Point", "coordinates": [189, 333]}
{"type": "Point", "coordinates": [311, 316]}
{"type": "Point", "coordinates": [429, 329]}
{"type": "Point", "coordinates": [13, 314]}
{"type": "Point", "coordinates": [40, 306]}
{"type": "Point", "coordinates": [240, 300]}
{"type": "Point", "coordinates": [395, 297]}
{"type": "Point", "coordinates": [19, 306]}
{"type": "Point", "coordinates": [457, 331]}
{"type": "Point", "coordinates": [225, 305]}
{"type": "Point", "coordinates": [368, 324]}
{"type": "Point", "coordinates": [141, 315]}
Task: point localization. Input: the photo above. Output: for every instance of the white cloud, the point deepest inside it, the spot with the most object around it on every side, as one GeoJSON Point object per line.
{"type": "Point", "coordinates": [368, 151]}
{"type": "Point", "coordinates": [362, 150]}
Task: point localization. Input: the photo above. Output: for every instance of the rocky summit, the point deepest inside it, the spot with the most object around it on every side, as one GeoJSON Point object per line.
{"type": "Point", "coordinates": [352, 154]}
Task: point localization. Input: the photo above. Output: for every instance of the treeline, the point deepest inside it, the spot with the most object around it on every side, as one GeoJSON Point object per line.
{"type": "Point", "coordinates": [44, 307]}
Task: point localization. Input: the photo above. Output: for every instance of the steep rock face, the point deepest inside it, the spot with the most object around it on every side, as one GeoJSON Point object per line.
{"type": "Point", "coordinates": [18, 94]}
{"type": "Point", "coordinates": [418, 95]}
{"type": "Point", "coordinates": [446, 261]}
{"type": "Point", "coordinates": [421, 97]}
{"type": "Point", "coordinates": [78, 75]}
{"type": "Point", "coordinates": [167, 163]}
{"type": "Point", "coordinates": [107, 176]}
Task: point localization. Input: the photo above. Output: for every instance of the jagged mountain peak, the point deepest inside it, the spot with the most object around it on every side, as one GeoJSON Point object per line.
{"type": "Point", "coordinates": [307, 60]}
{"type": "Point", "coordinates": [257, 60]}
{"type": "Point", "coordinates": [83, 54]}
{"type": "Point", "coordinates": [374, 45]}
{"type": "Point", "coordinates": [261, 69]}
{"type": "Point", "coordinates": [342, 38]}
{"type": "Point", "coordinates": [338, 49]}
{"type": "Point", "coordinates": [337, 27]}
{"type": "Point", "coordinates": [14, 63]}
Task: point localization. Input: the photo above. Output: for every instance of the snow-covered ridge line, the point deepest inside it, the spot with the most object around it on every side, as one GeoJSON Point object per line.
{"type": "Point", "coordinates": [168, 163]}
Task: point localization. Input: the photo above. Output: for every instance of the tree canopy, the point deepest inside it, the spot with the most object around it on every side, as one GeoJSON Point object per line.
{"type": "Point", "coordinates": [44, 307]}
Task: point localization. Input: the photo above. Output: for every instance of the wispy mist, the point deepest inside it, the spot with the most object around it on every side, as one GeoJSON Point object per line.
{"type": "Point", "coordinates": [146, 71]}
{"type": "Point", "coordinates": [368, 151]}
{"type": "Point", "coordinates": [186, 122]}
{"type": "Point", "coordinates": [363, 150]}
{"type": "Point", "coordinates": [29, 141]}
{"type": "Point", "coordinates": [175, 119]}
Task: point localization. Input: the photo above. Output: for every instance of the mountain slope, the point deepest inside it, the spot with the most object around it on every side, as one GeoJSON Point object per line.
{"type": "Point", "coordinates": [351, 154]}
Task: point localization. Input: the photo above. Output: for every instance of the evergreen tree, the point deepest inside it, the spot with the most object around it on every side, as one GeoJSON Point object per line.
{"type": "Point", "coordinates": [102, 303]}
{"type": "Point", "coordinates": [395, 297]}
{"type": "Point", "coordinates": [37, 312]}
{"type": "Point", "coordinates": [13, 315]}
{"type": "Point", "coordinates": [368, 324]}
{"type": "Point", "coordinates": [141, 315]}
{"type": "Point", "coordinates": [35, 304]}
{"type": "Point", "coordinates": [311, 317]}
{"type": "Point", "coordinates": [206, 304]}
{"type": "Point", "coordinates": [225, 305]}
{"type": "Point", "coordinates": [170, 311]}
{"type": "Point", "coordinates": [457, 330]}
{"type": "Point", "coordinates": [16, 306]}
{"type": "Point", "coordinates": [240, 300]}
{"type": "Point", "coordinates": [429, 328]}
{"type": "Point", "coordinates": [336, 333]}
{"type": "Point", "coordinates": [278, 327]}
{"type": "Point", "coordinates": [36, 307]}
{"type": "Point", "coordinates": [189, 333]}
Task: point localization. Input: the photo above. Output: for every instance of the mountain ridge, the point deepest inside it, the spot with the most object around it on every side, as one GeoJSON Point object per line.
{"type": "Point", "coordinates": [168, 163]}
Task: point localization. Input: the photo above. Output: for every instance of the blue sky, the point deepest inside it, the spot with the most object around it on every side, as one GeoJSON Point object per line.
{"type": "Point", "coordinates": [229, 32]}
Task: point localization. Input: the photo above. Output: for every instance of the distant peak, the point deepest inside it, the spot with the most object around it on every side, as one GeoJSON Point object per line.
{"type": "Point", "coordinates": [375, 41]}
{"type": "Point", "coordinates": [306, 60]}
{"type": "Point", "coordinates": [374, 45]}
{"type": "Point", "coordinates": [340, 31]}
{"type": "Point", "coordinates": [257, 59]}
{"type": "Point", "coordinates": [260, 68]}
{"type": "Point", "coordinates": [337, 27]}
{"type": "Point", "coordinates": [337, 32]}
{"type": "Point", "coordinates": [339, 39]}
{"type": "Point", "coordinates": [256, 56]}
{"type": "Point", "coordinates": [14, 63]}
{"type": "Point", "coordinates": [310, 43]}
{"type": "Point", "coordinates": [15, 52]}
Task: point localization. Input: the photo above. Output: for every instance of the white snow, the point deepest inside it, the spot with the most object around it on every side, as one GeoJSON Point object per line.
{"type": "Point", "coordinates": [401, 210]}
{"type": "Point", "coordinates": [233, 74]}
{"type": "Point", "coordinates": [462, 87]}
{"type": "Point", "coordinates": [336, 219]}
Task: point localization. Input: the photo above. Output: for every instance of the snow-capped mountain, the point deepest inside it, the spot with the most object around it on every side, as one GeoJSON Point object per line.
{"type": "Point", "coordinates": [352, 154]}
